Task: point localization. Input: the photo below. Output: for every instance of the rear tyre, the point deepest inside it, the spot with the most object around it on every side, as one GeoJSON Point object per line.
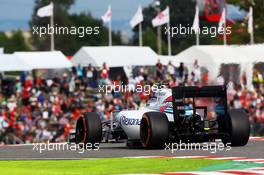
{"type": "Point", "coordinates": [238, 128]}
{"type": "Point", "coordinates": [154, 130]}
{"type": "Point", "coordinates": [88, 129]}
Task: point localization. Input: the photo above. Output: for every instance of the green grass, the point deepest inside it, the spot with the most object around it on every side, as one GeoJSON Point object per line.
{"type": "Point", "coordinates": [103, 166]}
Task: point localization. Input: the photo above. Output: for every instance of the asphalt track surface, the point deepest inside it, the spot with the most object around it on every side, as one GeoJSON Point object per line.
{"type": "Point", "coordinates": [254, 149]}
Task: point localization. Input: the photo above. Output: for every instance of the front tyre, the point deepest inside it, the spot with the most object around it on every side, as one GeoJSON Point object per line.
{"type": "Point", "coordinates": [154, 130]}
{"type": "Point", "coordinates": [88, 129]}
{"type": "Point", "coordinates": [238, 128]}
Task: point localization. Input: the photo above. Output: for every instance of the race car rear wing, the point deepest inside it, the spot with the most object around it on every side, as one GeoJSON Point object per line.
{"type": "Point", "coordinates": [194, 91]}
{"type": "Point", "coordinates": [180, 93]}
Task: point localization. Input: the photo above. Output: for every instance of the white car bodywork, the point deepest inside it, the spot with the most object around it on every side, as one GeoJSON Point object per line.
{"type": "Point", "coordinates": [130, 119]}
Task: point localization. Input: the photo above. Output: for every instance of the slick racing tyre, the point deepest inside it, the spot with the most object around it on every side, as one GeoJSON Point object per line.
{"type": "Point", "coordinates": [238, 128]}
{"type": "Point", "coordinates": [88, 129]}
{"type": "Point", "coordinates": [154, 130]}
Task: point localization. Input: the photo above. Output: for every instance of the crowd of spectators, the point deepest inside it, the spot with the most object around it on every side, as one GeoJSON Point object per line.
{"type": "Point", "coordinates": [34, 109]}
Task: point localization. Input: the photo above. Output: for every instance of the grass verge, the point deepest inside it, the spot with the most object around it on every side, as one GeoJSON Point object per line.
{"type": "Point", "coordinates": [103, 166]}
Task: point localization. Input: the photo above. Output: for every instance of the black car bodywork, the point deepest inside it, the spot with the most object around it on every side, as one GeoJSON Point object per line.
{"type": "Point", "coordinates": [192, 122]}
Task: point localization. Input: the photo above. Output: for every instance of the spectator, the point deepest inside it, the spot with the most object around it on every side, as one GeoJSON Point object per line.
{"type": "Point", "coordinates": [47, 109]}
{"type": "Point", "coordinates": [159, 68]}
{"type": "Point", "coordinates": [104, 71]}
{"type": "Point", "coordinates": [196, 73]}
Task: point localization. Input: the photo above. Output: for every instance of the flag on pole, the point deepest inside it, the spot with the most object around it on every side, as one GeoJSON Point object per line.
{"type": "Point", "coordinates": [45, 11]}
{"type": "Point", "coordinates": [222, 22]}
{"type": "Point", "coordinates": [138, 18]}
{"type": "Point", "coordinates": [162, 18]}
{"type": "Point", "coordinates": [108, 15]}
{"type": "Point", "coordinates": [250, 20]}
{"type": "Point", "coordinates": [196, 26]}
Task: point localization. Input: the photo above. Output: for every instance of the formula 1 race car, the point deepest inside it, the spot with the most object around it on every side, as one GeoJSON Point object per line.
{"type": "Point", "coordinates": [187, 114]}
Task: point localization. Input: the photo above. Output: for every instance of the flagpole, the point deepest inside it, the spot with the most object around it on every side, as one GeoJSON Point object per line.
{"type": "Point", "coordinates": [110, 28]}
{"type": "Point", "coordinates": [252, 38]}
{"type": "Point", "coordinates": [110, 32]}
{"type": "Point", "coordinates": [197, 39]}
{"type": "Point", "coordinates": [252, 32]}
{"type": "Point", "coordinates": [169, 40]}
{"type": "Point", "coordinates": [225, 28]}
{"type": "Point", "coordinates": [159, 40]}
{"type": "Point", "coordinates": [140, 35]}
{"type": "Point", "coordinates": [159, 44]}
{"type": "Point", "coordinates": [169, 36]}
{"type": "Point", "coordinates": [225, 34]}
{"type": "Point", "coordinates": [52, 44]}
{"type": "Point", "coordinates": [198, 32]}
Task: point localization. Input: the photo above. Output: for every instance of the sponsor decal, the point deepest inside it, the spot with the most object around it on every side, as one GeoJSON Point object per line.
{"type": "Point", "coordinates": [129, 121]}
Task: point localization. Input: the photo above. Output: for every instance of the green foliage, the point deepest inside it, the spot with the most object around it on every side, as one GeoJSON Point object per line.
{"type": "Point", "coordinates": [60, 17]}
{"type": "Point", "coordinates": [15, 43]}
{"type": "Point", "coordinates": [239, 34]}
{"type": "Point", "coordinates": [150, 39]}
{"type": "Point", "coordinates": [182, 12]}
{"type": "Point", "coordinates": [91, 40]}
{"type": "Point", "coordinates": [106, 166]}
{"type": "Point", "coordinates": [258, 9]}
{"type": "Point", "coordinates": [3, 39]}
{"type": "Point", "coordinates": [70, 44]}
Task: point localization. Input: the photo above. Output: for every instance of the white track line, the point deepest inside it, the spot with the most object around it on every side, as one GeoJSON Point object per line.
{"type": "Point", "coordinates": [256, 138]}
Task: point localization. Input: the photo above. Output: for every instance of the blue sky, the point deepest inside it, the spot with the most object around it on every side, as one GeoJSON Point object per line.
{"type": "Point", "coordinates": [16, 13]}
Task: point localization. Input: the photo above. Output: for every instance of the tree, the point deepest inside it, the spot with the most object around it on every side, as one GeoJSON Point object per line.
{"type": "Point", "coordinates": [258, 6]}
{"type": "Point", "coordinates": [69, 43]}
{"type": "Point", "coordinates": [60, 17]}
{"type": "Point", "coordinates": [150, 39]}
{"type": "Point", "coordinates": [3, 39]}
{"type": "Point", "coordinates": [80, 20]}
{"type": "Point", "coordinates": [181, 14]}
{"type": "Point", "coordinates": [14, 43]}
{"type": "Point", "coordinates": [239, 32]}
